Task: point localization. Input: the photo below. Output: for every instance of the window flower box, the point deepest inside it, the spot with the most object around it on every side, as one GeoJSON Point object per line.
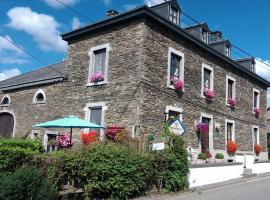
{"type": "Point", "coordinates": [258, 149]}
{"type": "Point", "coordinates": [209, 94]}
{"type": "Point", "coordinates": [178, 84]}
{"type": "Point", "coordinates": [97, 77]}
{"type": "Point", "coordinates": [232, 147]}
{"type": "Point", "coordinates": [232, 102]}
{"type": "Point", "coordinates": [257, 112]}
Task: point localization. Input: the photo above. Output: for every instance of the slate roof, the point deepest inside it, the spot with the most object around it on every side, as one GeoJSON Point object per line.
{"type": "Point", "coordinates": [49, 74]}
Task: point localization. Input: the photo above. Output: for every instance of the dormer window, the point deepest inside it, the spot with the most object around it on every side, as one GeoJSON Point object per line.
{"type": "Point", "coordinates": [253, 67]}
{"type": "Point", "coordinates": [5, 101]}
{"type": "Point", "coordinates": [174, 15]}
{"type": "Point", "coordinates": [39, 97]}
{"type": "Point", "coordinates": [228, 51]}
{"type": "Point", "coordinates": [205, 36]}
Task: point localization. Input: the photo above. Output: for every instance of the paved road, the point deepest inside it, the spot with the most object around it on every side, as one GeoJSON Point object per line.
{"type": "Point", "coordinates": [253, 189]}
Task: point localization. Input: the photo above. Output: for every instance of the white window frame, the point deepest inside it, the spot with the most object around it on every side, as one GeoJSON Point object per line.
{"type": "Point", "coordinates": [174, 109]}
{"type": "Point", "coordinates": [207, 36]}
{"type": "Point", "coordinates": [40, 91]}
{"type": "Point", "coordinates": [181, 66]}
{"type": "Point", "coordinates": [234, 88]}
{"type": "Point", "coordinates": [226, 128]}
{"type": "Point", "coordinates": [9, 100]}
{"type": "Point", "coordinates": [211, 132]}
{"type": "Point", "coordinates": [88, 114]}
{"type": "Point", "coordinates": [258, 99]}
{"type": "Point", "coordinates": [258, 135]}
{"type": "Point", "coordinates": [228, 51]}
{"type": "Point", "coordinates": [178, 15]}
{"type": "Point", "coordinates": [205, 66]}
{"type": "Point", "coordinates": [91, 54]}
{"type": "Point", "coordinates": [45, 137]}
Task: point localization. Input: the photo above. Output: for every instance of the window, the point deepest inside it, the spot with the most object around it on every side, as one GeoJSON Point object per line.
{"type": "Point", "coordinates": [255, 135]}
{"type": "Point", "coordinates": [256, 99]}
{"type": "Point", "coordinates": [230, 88]}
{"type": "Point", "coordinates": [39, 97]}
{"type": "Point", "coordinates": [49, 141]}
{"type": "Point", "coordinates": [206, 139]}
{"type": "Point", "coordinates": [229, 130]}
{"type": "Point", "coordinates": [207, 78]}
{"type": "Point", "coordinates": [95, 113]}
{"type": "Point", "coordinates": [172, 113]}
{"type": "Point", "coordinates": [253, 67]}
{"type": "Point", "coordinates": [228, 51]}
{"type": "Point", "coordinates": [98, 67]}
{"type": "Point", "coordinates": [5, 101]}
{"type": "Point", "coordinates": [174, 15]}
{"type": "Point", "coordinates": [205, 36]}
{"type": "Point", "coordinates": [175, 66]}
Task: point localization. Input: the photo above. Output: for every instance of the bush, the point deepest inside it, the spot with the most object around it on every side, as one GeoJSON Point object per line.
{"type": "Point", "coordinates": [171, 166]}
{"type": "Point", "coordinates": [26, 183]}
{"type": "Point", "coordinates": [219, 156]}
{"type": "Point", "coordinates": [202, 156]}
{"type": "Point", "coordinates": [33, 145]}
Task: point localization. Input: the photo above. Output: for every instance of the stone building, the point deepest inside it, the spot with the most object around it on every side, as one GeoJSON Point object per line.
{"type": "Point", "coordinates": [120, 71]}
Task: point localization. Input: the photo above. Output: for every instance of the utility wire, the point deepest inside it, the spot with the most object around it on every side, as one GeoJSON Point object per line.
{"type": "Point", "coordinates": [31, 55]}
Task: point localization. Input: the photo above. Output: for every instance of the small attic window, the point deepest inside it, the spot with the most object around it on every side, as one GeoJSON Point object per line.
{"type": "Point", "coordinates": [205, 36]}
{"type": "Point", "coordinates": [39, 97]}
{"type": "Point", "coordinates": [174, 15]}
{"type": "Point", "coordinates": [5, 101]}
{"type": "Point", "coordinates": [228, 51]}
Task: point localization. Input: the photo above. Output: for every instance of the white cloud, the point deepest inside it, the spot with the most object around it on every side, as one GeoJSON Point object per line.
{"type": "Point", "coordinates": [9, 53]}
{"type": "Point", "coordinates": [153, 2]}
{"type": "Point", "coordinates": [43, 28]}
{"type": "Point", "coordinates": [56, 4]}
{"type": "Point", "coordinates": [106, 2]}
{"type": "Point", "coordinates": [9, 73]}
{"type": "Point", "coordinates": [75, 23]}
{"type": "Point", "coordinates": [129, 6]}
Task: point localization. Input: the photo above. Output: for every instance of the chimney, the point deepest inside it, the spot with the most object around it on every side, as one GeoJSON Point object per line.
{"type": "Point", "coordinates": [112, 13]}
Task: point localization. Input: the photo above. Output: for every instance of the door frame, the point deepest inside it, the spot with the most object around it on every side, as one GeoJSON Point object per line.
{"type": "Point", "coordinates": [211, 145]}
{"type": "Point", "coordinates": [14, 118]}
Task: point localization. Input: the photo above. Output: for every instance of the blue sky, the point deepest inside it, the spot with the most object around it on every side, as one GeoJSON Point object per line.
{"type": "Point", "coordinates": [35, 26]}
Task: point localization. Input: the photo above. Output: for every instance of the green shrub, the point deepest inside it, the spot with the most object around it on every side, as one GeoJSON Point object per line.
{"type": "Point", "coordinates": [33, 145]}
{"type": "Point", "coordinates": [202, 156]}
{"type": "Point", "coordinates": [171, 166]}
{"type": "Point", "coordinates": [26, 183]}
{"type": "Point", "coordinates": [219, 156]}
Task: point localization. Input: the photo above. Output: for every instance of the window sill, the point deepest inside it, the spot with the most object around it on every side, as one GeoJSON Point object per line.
{"type": "Point", "coordinates": [96, 84]}
{"type": "Point", "coordinates": [172, 87]}
{"type": "Point", "coordinates": [39, 103]}
{"type": "Point", "coordinates": [5, 105]}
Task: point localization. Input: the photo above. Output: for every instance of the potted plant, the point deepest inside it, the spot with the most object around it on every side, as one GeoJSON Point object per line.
{"type": "Point", "coordinates": [219, 157]}
{"type": "Point", "coordinates": [202, 127]}
{"type": "Point", "coordinates": [88, 138]}
{"type": "Point", "coordinates": [63, 141]}
{"type": "Point", "coordinates": [97, 77]}
{"type": "Point", "coordinates": [209, 94]}
{"type": "Point", "coordinates": [178, 84]}
{"type": "Point", "coordinates": [201, 158]}
{"type": "Point", "coordinates": [112, 131]}
{"type": "Point", "coordinates": [257, 112]}
{"type": "Point", "coordinates": [231, 149]}
{"type": "Point", "coordinates": [232, 102]}
{"type": "Point", "coordinates": [208, 156]}
{"type": "Point", "coordinates": [258, 149]}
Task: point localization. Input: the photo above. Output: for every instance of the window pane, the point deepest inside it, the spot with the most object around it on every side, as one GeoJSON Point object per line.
{"type": "Point", "coordinates": [255, 132]}
{"type": "Point", "coordinates": [207, 75]}
{"type": "Point", "coordinates": [99, 60]}
{"type": "Point", "coordinates": [229, 131]}
{"type": "Point", "coordinates": [230, 88]}
{"type": "Point", "coordinates": [95, 117]}
{"type": "Point", "coordinates": [175, 66]}
{"type": "Point", "coordinates": [172, 115]}
{"type": "Point", "coordinates": [256, 96]}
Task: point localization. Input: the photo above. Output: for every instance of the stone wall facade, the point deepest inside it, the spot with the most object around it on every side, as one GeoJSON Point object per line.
{"type": "Point", "coordinates": [136, 94]}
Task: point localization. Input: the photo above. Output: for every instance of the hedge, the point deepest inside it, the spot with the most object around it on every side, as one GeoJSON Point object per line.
{"type": "Point", "coordinates": [33, 145]}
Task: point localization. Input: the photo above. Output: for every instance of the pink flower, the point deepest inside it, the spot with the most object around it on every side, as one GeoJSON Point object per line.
{"type": "Point", "coordinates": [232, 102]}
{"type": "Point", "coordinates": [202, 127]}
{"type": "Point", "coordinates": [209, 93]}
{"type": "Point", "coordinates": [97, 77]}
{"type": "Point", "coordinates": [63, 140]}
{"type": "Point", "coordinates": [178, 84]}
{"type": "Point", "coordinates": [257, 111]}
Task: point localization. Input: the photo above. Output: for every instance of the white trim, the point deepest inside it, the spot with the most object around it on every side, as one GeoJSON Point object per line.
{"type": "Point", "coordinates": [106, 46]}
{"type": "Point", "coordinates": [9, 101]}
{"type": "Point", "coordinates": [258, 135]}
{"type": "Point", "coordinates": [14, 118]}
{"type": "Point", "coordinates": [258, 99]}
{"type": "Point", "coordinates": [40, 91]}
{"type": "Point", "coordinates": [233, 131]}
{"type": "Point", "coordinates": [211, 131]}
{"type": "Point", "coordinates": [234, 88]}
{"type": "Point", "coordinates": [205, 66]}
{"type": "Point", "coordinates": [88, 113]}
{"type": "Point", "coordinates": [45, 137]}
{"type": "Point", "coordinates": [181, 66]}
{"type": "Point", "coordinates": [175, 109]}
